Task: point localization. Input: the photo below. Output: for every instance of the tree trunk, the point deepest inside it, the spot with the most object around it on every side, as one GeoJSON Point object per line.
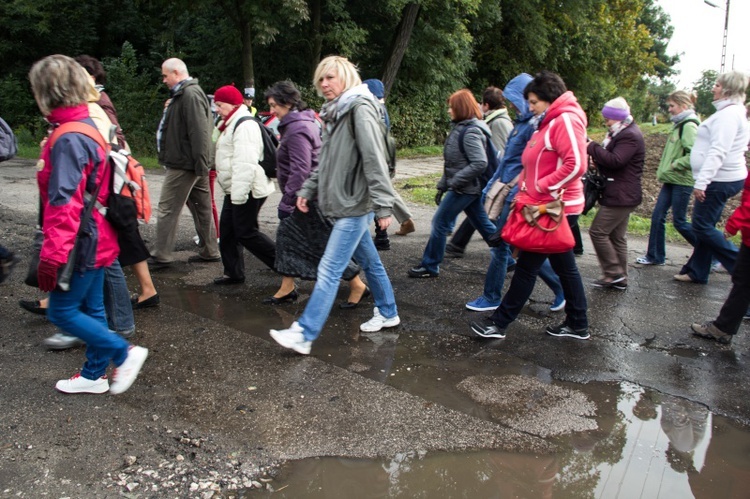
{"type": "Point", "coordinates": [248, 71]}
{"type": "Point", "coordinates": [316, 37]}
{"type": "Point", "coordinates": [399, 44]}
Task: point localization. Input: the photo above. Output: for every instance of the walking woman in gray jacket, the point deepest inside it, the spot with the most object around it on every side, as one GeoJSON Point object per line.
{"type": "Point", "coordinates": [352, 186]}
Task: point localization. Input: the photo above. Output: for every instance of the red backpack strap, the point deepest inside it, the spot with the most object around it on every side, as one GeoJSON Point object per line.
{"type": "Point", "coordinates": [78, 127]}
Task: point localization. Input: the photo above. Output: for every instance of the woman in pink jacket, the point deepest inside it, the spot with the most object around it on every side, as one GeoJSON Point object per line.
{"type": "Point", "coordinates": [73, 165]}
{"type": "Point", "coordinates": [553, 163]}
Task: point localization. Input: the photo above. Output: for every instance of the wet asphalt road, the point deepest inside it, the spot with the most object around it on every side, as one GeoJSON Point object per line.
{"type": "Point", "coordinates": [239, 394]}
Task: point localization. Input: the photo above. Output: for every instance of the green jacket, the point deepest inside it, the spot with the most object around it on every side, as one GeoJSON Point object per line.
{"type": "Point", "coordinates": [186, 137]}
{"type": "Point", "coordinates": [352, 177]}
{"type": "Point", "coordinates": [674, 167]}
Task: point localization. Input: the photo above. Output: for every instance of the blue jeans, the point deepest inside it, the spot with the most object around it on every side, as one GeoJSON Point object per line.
{"type": "Point", "coordinates": [80, 312]}
{"type": "Point", "coordinates": [349, 238]}
{"type": "Point", "coordinates": [117, 299]}
{"type": "Point", "coordinates": [444, 220]}
{"type": "Point", "coordinates": [524, 278]}
{"type": "Point", "coordinates": [676, 197]}
{"type": "Point", "coordinates": [709, 241]}
{"type": "Point", "coordinates": [493, 282]}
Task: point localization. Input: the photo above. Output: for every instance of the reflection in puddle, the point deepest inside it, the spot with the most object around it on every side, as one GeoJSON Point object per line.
{"type": "Point", "coordinates": [646, 445]}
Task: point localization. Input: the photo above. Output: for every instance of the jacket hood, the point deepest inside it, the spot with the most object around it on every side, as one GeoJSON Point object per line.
{"type": "Point", "coordinates": [358, 91]}
{"type": "Point", "coordinates": [297, 116]}
{"type": "Point", "coordinates": [481, 124]}
{"type": "Point", "coordinates": [566, 103]}
{"type": "Point", "coordinates": [513, 92]}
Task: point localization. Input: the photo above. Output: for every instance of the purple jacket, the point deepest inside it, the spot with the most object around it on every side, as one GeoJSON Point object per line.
{"type": "Point", "coordinates": [622, 163]}
{"type": "Point", "coordinates": [297, 155]}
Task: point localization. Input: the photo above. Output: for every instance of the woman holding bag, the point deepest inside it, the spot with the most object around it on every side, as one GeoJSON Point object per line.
{"type": "Point", "coordinates": [553, 163]}
{"type": "Point", "coordinates": [620, 159]}
{"type": "Point", "coordinates": [298, 255]}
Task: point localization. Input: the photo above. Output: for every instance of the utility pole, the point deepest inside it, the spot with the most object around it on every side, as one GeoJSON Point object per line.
{"type": "Point", "coordinates": [726, 32]}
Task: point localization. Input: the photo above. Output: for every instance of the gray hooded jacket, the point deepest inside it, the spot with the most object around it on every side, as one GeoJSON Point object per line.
{"type": "Point", "coordinates": [352, 177]}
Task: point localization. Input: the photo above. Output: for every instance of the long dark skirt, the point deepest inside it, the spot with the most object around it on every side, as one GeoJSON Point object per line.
{"type": "Point", "coordinates": [300, 243]}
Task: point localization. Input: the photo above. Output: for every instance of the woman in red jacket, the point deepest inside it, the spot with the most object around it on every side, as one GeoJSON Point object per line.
{"type": "Point", "coordinates": [553, 163]}
{"type": "Point", "coordinates": [73, 165]}
{"type": "Point", "coordinates": [736, 306]}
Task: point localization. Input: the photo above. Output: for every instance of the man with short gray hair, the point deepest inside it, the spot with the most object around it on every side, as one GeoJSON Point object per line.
{"type": "Point", "coordinates": [186, 151]}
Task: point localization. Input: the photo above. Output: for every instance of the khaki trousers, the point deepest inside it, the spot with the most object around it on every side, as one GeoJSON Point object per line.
{"type": "Point", "coordinates": [180, 187]}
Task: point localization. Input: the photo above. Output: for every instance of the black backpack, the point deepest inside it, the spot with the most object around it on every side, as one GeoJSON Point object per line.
{"type": "Point", "coordinates": [390, 142]}
{"type": "Point", "coordinates": [270, 144]}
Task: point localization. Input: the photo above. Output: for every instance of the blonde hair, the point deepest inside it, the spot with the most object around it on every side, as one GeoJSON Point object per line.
{"type": "Point", "coordinates": [733, 84]}
{"type": "Point", "coordinates": [342, 67]}
{"type": "Point", "coordinates": [58, 81]}
{"type": "Point", "coordinates": [682, 98]}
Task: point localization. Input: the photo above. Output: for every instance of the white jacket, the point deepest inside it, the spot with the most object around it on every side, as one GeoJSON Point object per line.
{"type": "Point", "coordinates": [237, 160]}
{"type": "Point", "coordinates": [718, 154]}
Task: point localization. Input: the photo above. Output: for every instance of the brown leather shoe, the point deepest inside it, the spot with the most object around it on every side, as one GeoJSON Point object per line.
{"type": "Point", "coordinates": [406, 228]}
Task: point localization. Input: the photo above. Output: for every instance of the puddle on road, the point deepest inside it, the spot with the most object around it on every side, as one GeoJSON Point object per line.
{"type": "Point", "coordinates": [651, 446]}
{"type": "Point", "coordinates": [647, 445]}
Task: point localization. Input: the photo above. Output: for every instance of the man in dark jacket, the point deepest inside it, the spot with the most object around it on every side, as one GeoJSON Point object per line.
{"type": "Point", "coordinates": [186, 151]}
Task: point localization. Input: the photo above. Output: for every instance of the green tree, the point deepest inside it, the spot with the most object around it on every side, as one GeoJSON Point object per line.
{"type": "Point", "coordinates": [138, 101]}
{"type": "Point", "coordinates": [702, 88]}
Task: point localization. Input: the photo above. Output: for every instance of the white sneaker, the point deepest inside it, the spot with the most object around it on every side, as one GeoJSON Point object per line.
{"type": "Point", "coordinates": [378, 322]}
{"type": "Point", "coordinates": [292, 338]}
{"type": "Point", "coordinates": [79, 384]}
{"type": "Point", "coordinates": [124, 376]}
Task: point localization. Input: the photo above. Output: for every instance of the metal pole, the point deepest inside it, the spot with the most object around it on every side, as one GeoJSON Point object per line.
{"type": "Point", "coordinates": [726, 32]}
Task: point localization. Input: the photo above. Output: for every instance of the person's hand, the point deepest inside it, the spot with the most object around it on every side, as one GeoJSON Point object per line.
{"type": "Point", "coordinates": [439, 197]}
{"type": "Point", "coordinates": [384, 222]}
{"type": "Point", "coordinates": [699, 195]}
{"type": "Point", "coordinates": [302, 205]}
{"type": "Point", "coordinates": [47, 275]}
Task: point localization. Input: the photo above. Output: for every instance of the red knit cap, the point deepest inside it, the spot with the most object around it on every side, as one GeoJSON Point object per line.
{"type": "Point", "coordinates": [229, 95]}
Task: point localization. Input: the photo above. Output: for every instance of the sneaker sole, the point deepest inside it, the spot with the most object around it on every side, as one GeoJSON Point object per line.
{"type": "Point", "coordinates": [481, 309]}
{"type": "Point", "coordinates": [601, 285]}
{"type": "Point", "coordinates": [93, 390]}
{"type": "Point", "coordinates": [385, 325]}
{"type": "Point", "coordinates": [569, 335]}
{"type": "Point", "coordinates": [117, 388]}
{"type": "Point", "coordinates": [558, 308]}
{"type": "Point", "coordinates": [422, 276]}
{"type": "Point", "coordinates": [63, 347]}
{"type": "Point", "coordinates": [279, 338]}
{"type": "Point", "coordinates": [482, 334]}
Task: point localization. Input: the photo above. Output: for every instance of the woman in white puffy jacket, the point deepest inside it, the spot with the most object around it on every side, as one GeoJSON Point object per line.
{"type": "Point", "coordinates": [239, 150]}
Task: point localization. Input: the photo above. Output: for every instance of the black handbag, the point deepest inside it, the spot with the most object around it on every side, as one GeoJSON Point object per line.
{"type": "Point", "coordinates": [593, 187]}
